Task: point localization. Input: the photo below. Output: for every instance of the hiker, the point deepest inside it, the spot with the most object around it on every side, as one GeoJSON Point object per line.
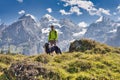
{"type": "Point", "coordinates": [53, 36]}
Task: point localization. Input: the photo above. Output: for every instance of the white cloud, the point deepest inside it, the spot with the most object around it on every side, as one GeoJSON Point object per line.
{"type": "Point", "coordinates": [20, 1]}
{"type": "Point", "coordinates": [82, 24]}
{"type": "Point", "coordinates": [21, 12]}
{"type": "Point", "coordinates": [86, 5]}
{"type": "Point", "coordinates": [76, 10]}
{"type": "Point", "coordinates": [49, 10]}
{"type": "Point", "coordinates": [117, 12]}
{"type": "Point", "coordinates": [63, 12]}
{"type": "Point", "coordinates": [72, 10]}
{"type": "Point", "coordinates": [58, 3]}
{"type": "Point", "coordinates": [99, 12]}
{"type": "Point", "coordinates": [118, 8]}
{"type": "Point", "coordinates": [65, 5]}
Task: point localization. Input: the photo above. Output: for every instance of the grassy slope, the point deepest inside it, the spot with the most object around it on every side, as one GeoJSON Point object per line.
{"type": "Point", "coordinates": [6, 61]}
{"type": "Point", "coordinates": [73, 66]}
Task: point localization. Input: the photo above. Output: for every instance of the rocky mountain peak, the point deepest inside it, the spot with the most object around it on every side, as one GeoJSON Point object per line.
{"type": "Point", "coordinates": [103, 19]}
{"type": "Point", "coordinates": [48, 17]}
{"type": "Point", "coordinates": [27, 17]}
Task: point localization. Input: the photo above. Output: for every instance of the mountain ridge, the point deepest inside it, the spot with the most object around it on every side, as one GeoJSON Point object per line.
{"type": "Point", "coordinates": [28, 33]}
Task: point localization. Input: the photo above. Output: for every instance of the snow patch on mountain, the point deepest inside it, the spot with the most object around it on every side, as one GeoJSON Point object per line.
{"type": "Point", "coordinates": [82, 24]}
{"type": "Point", "coordinates": [31, 16]}
{"type": "Point", "coordinates": [80, 33]}
{"type": "Point", "coordinates": [113, 31]}
{"type": "Point", "coordinates": [45, 30]}
{"type": "Point", "coordinates": [49, 17]}
{"type": "Point", "coordinates": [100, 19]}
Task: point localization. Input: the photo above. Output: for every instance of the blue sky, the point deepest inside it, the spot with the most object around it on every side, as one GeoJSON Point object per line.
{"type": "Point", "coordinates": [77, 10]}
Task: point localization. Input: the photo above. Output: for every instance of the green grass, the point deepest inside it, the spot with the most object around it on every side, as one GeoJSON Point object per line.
{"type": "Point", "coordinates": [6, 60]}
{"type": "Point", "coordinates": [72, 66]}
{"type": "Point", "coordinates": [100, 62]}
{"type": "Point", "coordinates": [81, 66]}
{"type": "Point", "coordinates": [101, 66]}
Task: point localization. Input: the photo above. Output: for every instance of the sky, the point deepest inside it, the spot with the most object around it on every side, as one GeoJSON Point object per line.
{"type": "Point", "coordinates": [85, 11]}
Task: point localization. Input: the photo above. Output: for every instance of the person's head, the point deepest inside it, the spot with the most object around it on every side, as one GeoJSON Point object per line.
{"type": "Point", "coordinates": [52, 27]}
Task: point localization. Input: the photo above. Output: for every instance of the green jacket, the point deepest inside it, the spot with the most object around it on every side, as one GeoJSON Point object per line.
{"type": "Point", "coordinates": [53, 35]}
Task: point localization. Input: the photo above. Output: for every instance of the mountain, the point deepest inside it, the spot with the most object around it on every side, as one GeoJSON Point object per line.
{"type": "Point", "coordinates": [48, 20]}
{"type": "Point", "coordinates": [65, 28]}
{"type": "Point", "coordinates": [2, 27]}
{"type": "Point", "coordinates": [28, 35]}
{"type": "Point", "coordinates": [115, 40]}
{"type": "Point", "coordinates": [102, 30]}
{"type": "Point", "coordinates": [23, 34]}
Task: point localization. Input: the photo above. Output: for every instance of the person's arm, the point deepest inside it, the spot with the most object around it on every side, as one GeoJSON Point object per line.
{"type": "Point", "coordinates": [49, 36]}
{"type": "Point", "coordinates": [56, 35]}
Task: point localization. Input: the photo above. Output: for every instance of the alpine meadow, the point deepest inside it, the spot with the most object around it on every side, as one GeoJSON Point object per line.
{"type": "Point", "coordinates": [60, 40]}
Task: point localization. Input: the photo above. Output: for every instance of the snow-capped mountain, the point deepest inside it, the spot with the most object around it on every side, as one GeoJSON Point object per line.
{"type": "Point", "coordinates": [65, 28]}
{"type": "Point", "coordinates": [2, 27]}
{"type": "Point", "coordinates": [24, 33]}
{"type": "Point", "coordinates": [102, 30]}
{"type": "Point", "coordinates": [28, 35]}
{"type": "Point", "coordinates": [115, 40]}
{"type": "Point", "coordinates": [48, 20]}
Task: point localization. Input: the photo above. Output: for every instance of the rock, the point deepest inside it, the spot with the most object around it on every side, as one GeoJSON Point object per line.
{"type": "Point", "coordinates": [26, 70]}
{"type": "Point", "coordinates": [82, 45]}
{"type": "Point", "coordinates": [91, 46]}
{"type": "Point", "coordinates": [30, 70]}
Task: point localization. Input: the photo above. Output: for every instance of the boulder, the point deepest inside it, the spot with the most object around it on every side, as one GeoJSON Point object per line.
{"type": "Point", "coordinates": [82, 45]}
{"type": "Point", "coordinates": [91, 46]}
{"type": "Point", "coordinates": [27, 70]}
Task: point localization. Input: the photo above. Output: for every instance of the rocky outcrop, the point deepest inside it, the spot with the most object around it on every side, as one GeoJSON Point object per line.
{"type": "Point", "coordinates": [26, 70]}
{"type": "Point", "coordinates": [91, 46]}
{"type": "Point", "coordinates": [82, 45]}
